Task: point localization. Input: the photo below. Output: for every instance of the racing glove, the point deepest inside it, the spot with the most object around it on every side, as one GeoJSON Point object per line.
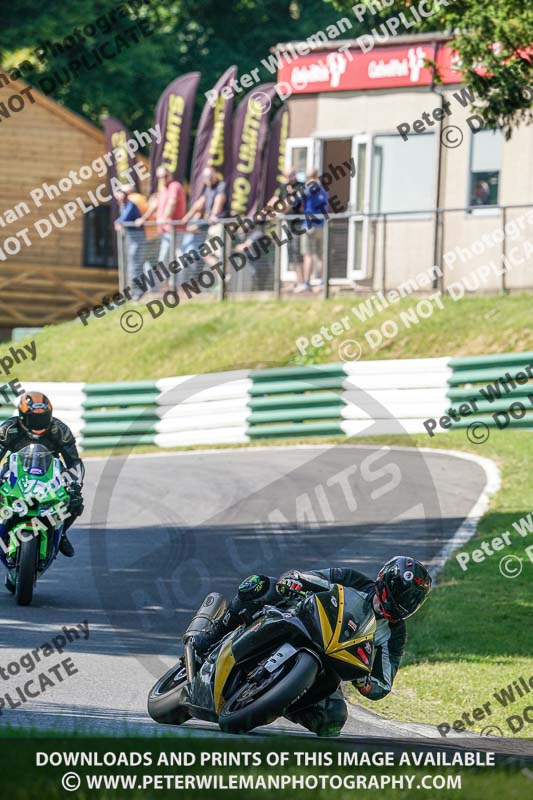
{"type": "Point", "coordinates": [76, 500]}
{"type": "Point", "coordinates": [290, 585]}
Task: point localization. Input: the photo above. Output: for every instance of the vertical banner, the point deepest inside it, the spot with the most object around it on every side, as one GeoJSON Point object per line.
{"type": "Point", "coordinates": [274, 165]}
{"type": "Point", "coordinates": [116, 135]}
{"type": "Point", "coordinates": [249, 134]}
{"type": "Point", "coordinates": [174, 114]}
{"type": "Point", "coordinates": [212, 147]}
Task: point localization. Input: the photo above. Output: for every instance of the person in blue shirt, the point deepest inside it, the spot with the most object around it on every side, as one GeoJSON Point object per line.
{"type": "Point", "coordinates": [315, 206]}
{"type": "Point", "coordinates": [130, 203]}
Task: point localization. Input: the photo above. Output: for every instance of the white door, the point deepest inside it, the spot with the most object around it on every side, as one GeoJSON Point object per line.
{"type": "Point", "coordinates": [360, 202]}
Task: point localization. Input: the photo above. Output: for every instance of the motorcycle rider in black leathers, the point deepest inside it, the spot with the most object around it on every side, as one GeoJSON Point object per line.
{"type": "Point", "coordinates": [402, 585]}
{"type": "Point", "coordinates": [35, 424]}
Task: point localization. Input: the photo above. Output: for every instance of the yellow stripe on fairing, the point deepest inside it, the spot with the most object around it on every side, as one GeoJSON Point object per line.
{"type": "Point", "coordinates": [225, 663]}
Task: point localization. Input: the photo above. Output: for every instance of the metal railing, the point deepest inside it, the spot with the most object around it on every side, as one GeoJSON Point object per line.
{"type": "Point", "coordinates": [492, 245]}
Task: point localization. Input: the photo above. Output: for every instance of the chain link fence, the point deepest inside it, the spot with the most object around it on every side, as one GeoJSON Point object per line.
{"type": "Point", "coordinates": [485, 250]}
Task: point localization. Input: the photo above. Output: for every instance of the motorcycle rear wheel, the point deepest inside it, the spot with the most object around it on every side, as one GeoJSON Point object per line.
{"type": "Point", "coordinates": [164, 700]}
{"type": "Point", "coordinates": [240, 716]}
{"type": "Point", "coordinates": [26, 570]}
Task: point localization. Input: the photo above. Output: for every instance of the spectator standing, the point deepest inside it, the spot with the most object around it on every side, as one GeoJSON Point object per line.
{"type": "Point", "coordinates": [209, 208]}
{"type": "Point", "coordinates": [170, 207]}
{"type": "Point", "coordinates": [315, 204]}
{"type": "Point", "coordinates": [132, 206]}
{"type": "Point", "coordinates": [292, 193]}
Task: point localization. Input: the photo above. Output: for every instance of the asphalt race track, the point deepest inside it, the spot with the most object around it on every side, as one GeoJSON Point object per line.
{"type": "Point", "coordinates": [159, 532]}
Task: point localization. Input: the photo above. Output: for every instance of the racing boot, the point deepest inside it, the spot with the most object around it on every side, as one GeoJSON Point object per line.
{"type": "Point", "coordinates": [10, 586]}
{"type": "Point", "coordinates": [325, 718]}
{"type": "Point", "coordinates": [251, 590]}
{"type": "Point", "coordinates": [205, 640]}
{"type": "Point", "coordinates": [65, 546]}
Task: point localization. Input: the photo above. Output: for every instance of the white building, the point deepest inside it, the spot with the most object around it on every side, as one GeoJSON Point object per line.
{"type": "Point", "coordinates": [416, 147]}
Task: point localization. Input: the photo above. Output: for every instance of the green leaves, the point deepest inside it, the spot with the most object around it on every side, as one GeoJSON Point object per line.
{"type": "Point", "coordinates": [188, 35]}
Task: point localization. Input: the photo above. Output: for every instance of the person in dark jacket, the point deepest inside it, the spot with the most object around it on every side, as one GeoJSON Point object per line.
{"type": "Point", "coordinates": [315, 207]}
{"type": "Point", "coordinates": [35, 424]}
{"type": "Point", "coordinates": [401, 587]}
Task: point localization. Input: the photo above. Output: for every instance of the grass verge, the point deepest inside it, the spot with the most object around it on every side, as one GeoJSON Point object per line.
{"type": "Point", "coordinates": [213, 337]}
{"type": "Point", "coordinates": [471, 640]}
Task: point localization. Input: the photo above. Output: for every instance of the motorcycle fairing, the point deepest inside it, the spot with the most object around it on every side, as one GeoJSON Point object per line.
{"type": "Point", "coordinates": [337, 621]}
{"type": "Point", "coordinates": [48, 490]}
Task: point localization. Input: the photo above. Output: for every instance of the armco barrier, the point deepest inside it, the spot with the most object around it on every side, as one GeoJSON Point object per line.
{"type": "Point", "coordinates": [496, 383]}
{"type": "Point", "coordinates": [296, 401]}
{"type": "Point", "coordinates": [323, 400]}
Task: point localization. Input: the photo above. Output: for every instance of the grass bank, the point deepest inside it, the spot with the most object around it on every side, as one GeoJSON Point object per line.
{"type": "Point", "coordinates": [472, 638]}
{"type": "Point", "coordinates": [212, 337]}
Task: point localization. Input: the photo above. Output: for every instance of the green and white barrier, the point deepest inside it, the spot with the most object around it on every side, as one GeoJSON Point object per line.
{"type": "Point", "coordinates": [501, 387]}
{"type": "Point", "coordinates": [349, 399]}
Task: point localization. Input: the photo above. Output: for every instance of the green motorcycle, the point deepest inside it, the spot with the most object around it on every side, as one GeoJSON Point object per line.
{"type": "Point", "coordinates": [33, 508]}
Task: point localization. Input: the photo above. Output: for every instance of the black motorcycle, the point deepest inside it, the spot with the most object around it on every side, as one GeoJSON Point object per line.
{"type": "Point", "coordinates": [270, 666]}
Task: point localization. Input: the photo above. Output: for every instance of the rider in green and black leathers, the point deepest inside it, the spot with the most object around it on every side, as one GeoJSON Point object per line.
{"type": "Point", "coordinates": [35, 424]}
{"type": "Point", "coordinates": [402, 585]}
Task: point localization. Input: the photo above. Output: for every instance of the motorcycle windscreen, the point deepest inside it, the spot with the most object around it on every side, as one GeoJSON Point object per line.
{"type": "Point", "coordinates": [35, 460]}
{"type": "Point", "coordinates": [348, 626]}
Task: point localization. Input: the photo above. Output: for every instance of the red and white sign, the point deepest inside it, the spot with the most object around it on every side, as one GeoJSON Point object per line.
{"type": "Point", "coordinates": [381, 68]}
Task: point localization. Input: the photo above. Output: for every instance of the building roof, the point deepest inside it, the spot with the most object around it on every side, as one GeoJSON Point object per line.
{"type": "Point", "coordinates": [353, 44]}
{"type": "Point", "coordinates": [68, 116]}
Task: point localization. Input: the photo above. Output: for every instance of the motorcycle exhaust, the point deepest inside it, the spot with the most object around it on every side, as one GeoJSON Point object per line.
{"type": "Point", "coordinates": [212, 608]}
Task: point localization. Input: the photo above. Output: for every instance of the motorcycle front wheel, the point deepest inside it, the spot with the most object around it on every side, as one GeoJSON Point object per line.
{"type": "Point", "coordinates": [26, 570]}
{"type": "Point", "coordinates": [259, 703]}
{"type": "Point", "coordinates": [165, 698]}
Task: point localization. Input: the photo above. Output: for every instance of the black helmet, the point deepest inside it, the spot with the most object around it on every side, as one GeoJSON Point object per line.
{"type": "Point", "coordinates": [35, 414]}
{"type": "Point", "coordinates": [402, 585]}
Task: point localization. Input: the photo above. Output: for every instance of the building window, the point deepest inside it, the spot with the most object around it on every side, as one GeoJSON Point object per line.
{"type": "Point", "coordinates": [299, 155]}
{"type": "Point", "coordinates": [98, 239]}
{"type": "Point", "coordinates": [402, 173]}
{"type": "Point", "coordinates": [485, 164]}
{"type": "Point", "coordinates": [299, 162]}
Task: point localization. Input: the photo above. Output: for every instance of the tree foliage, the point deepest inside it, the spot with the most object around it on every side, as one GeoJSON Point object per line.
{"type": "Point", "coordinates": [209, 35]}
{"type": "Point", "coordinates": [203, 35]}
